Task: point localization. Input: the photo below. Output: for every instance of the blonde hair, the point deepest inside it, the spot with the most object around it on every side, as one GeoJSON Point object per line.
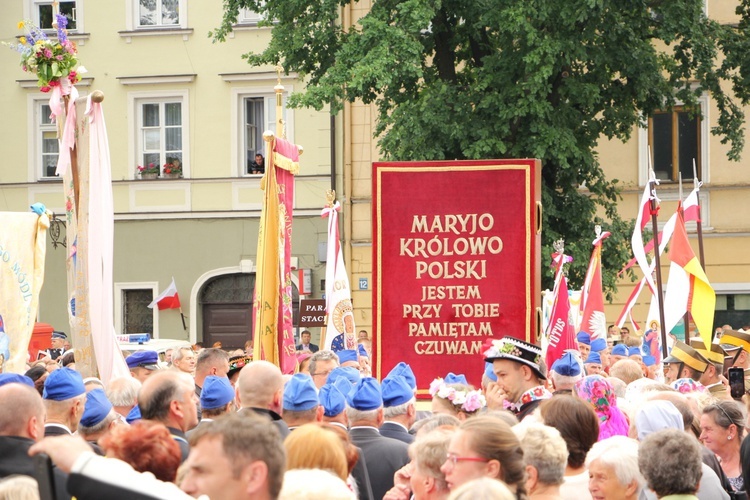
{"type": "Point", "coordinates": [430, 452]}
{"type": "Point", "coordinates": [311, 446]}
{"type": "Point", "coordinates": [17, 487]}
{"type": "Point", "coordinates": [545, 450]}
{"type": "Point", "coordinates": [314, 484]}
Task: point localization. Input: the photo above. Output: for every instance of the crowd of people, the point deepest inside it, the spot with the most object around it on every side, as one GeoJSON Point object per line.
{"type": "Point", "coordinates": [603, 422]}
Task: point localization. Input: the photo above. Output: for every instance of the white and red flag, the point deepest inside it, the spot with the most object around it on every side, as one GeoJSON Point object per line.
{"type": "Point", "coordinates": [560, 333]}
{"type": "Point", "coordinates": [593, 320]}
{"type": "Point", "coordinates": [168, 299]}
{"type": "Point", "coordinates": [636, 241]}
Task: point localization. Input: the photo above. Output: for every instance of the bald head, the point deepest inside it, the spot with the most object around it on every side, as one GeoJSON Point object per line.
{"type": "Point", "coordinates": [160, 390]}
{"type": "Point", "coordinates": [259, 384]}
{"type": "Point", "coordinates": [26, 406]}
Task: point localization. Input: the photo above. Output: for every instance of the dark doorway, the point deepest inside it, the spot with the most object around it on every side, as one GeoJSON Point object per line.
{"type": "Point", "coordinates": [227, 306]}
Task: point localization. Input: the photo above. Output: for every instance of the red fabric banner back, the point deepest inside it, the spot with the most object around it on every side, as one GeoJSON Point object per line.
{"type": "Point", "coordinates": [456, 259]}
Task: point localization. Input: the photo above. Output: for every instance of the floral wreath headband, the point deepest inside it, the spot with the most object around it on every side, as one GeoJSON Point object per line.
{"type": "Point", "coordinates": [468, 401]}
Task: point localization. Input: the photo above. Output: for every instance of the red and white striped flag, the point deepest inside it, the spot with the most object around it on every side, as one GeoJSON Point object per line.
{"type": "Point", "coordinates": [593, 320]}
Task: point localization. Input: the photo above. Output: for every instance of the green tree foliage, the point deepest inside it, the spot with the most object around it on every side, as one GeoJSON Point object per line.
{"type": "Point", "coordinates": [458, 79]}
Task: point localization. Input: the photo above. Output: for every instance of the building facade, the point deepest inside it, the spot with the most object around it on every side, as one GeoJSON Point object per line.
{"type": "Point", "coordinates": [171, 96]}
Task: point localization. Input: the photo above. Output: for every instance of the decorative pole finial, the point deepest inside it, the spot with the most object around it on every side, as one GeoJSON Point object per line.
{"type": "Point", "coordinates": [279, 89]}
{"type": "Point", "coordinates": [559, 246]}
{"type": "Point", "coordinates": [598, 231]}
{"type": "Point", "coordinates": [330, 198]}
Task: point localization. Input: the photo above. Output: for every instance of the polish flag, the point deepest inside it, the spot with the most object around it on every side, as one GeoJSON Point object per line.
{"type": "Point", "coordinates": [593, 320]}
{"type": "Point", "coordinates": [168, 299]}
{"type": "Point", "coordinates": [560, 332]}
{"type": "Point", "coordinates": [636, 241]}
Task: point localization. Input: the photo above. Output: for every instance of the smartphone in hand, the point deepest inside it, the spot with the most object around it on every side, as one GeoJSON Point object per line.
{"type": "Point", "coordinates": [736, 382]}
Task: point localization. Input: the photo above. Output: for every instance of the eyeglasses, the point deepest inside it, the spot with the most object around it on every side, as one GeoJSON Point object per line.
{"type": "Point", "coordinates": [325, 374]}
{"type": "Point", "coordinates": [454, 459]}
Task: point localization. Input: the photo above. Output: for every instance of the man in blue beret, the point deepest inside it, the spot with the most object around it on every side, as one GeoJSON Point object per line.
{"type": "Point", "coordinates": [584, 344]}
{"type": "Point", "coordinates": [22, 424]}
{"type": "Point", "coordinates": [349, 357]}
{"type": "Point", "coordinates": [64, 398]}
{"type": "Point", "coordinates": [564, 374]}
{"type": "Point", "coordinates": [217, 398]}
{"type": "Point", "coordinates": [260, 390]}
{"type": "Point", "coordinates": [404, 370]}
{"type": "Point", "coordinates": [99, 417]}
{"type": "Point", "coordinates": [301, 405]}
{"type": "Point", "coordinates": [399, 409]}
{"type": "Point", "coordinates": [619, 351]}
{"type": "Point", "coordinates": [332, 397]}
{"type": "Point", "coordinates": [384, 456]}
{"type": "Point", "coordinates": [15, 378]}
{"type": "Point", "coordinates": [142, 364]}
{"type": "Point", "coordinates": [349, 373]}
{"type": "Point", "coordinates": [601, 347]}
{"type": "Point", "coordinates": [593, 364]}
{"type": "Point", "coordinates": [169, 397]}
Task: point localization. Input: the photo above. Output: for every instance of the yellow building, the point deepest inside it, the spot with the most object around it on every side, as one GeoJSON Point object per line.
{"type": "Point", "coordinates": [674, 139]}
{"type": "Point", "coordinates": [170, 95]}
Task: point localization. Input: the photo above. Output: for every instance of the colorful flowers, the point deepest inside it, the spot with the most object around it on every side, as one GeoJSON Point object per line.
{"type": "Point", "coordinates": [468, 401]}
{"type": "Point", "coordinates": [53, 61]}
{"type": "Point", "coordinates": [173, 167]}
{"type": "Point", "coordinates": [151, 168]}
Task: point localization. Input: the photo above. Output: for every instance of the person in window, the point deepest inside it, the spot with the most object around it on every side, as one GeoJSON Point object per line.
{"type": "Point", "coordinates": [259, 165]}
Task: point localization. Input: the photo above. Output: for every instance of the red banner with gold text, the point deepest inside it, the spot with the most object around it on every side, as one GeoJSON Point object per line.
{"type": "Point", "coordinates": [456, 259]}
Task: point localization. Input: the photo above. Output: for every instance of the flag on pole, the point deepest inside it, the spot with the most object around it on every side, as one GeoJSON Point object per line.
{"type": "Point", "coordinates": [652, 335]}
{"type": "Point", "coordinates": [168, 299]}
{"type": "Point", "coordinates": [272, 307]}
{"type": "Point", "coordinates": [560, 333]}
{"type": "Point", "coordinates": [688, 288]}
{"type": "Point", "coordinates": [340, 329]}
{"type": "Point", "coordinates": [593, 320]}
{"type": "Point", "coordinates": [636, 241]}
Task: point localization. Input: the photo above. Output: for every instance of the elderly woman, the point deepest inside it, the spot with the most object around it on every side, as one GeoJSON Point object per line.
{"type": "Point", "coordinates": [722, 426]}
{"type": "Point", "coordinates": [425, 479]}
{"type": "Point", "coordinates": [579, 427]}
{"type": "Point", "coordinates": [546, 456]}
{"type": "Point", "coordinates": [599, 393]}
{"type": "Point", "coordinates": [613, 469]}
{"type": "Point", "coordinates": [671, 463]}
{"type": "Point", "coordinates": [485, 447]}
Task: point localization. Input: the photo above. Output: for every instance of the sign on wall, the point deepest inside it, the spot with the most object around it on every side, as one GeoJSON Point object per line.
{"type": "Point", "coordinates": [456, 258]}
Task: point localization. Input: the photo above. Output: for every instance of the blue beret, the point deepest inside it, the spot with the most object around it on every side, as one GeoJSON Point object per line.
{"type": "Point", "coordinates": [362, 351]}
{"type": "Point", "coordinates": [343, 385]}
{"type": "Point", "coordinates": [489, 371]}
{"type": "Point", "coordinates": [620, 350]}
{"type": "Point", "coordinates": [583, 338]}
{"type": "Point", "coordinates": [396, 392]}
{"type": "Point", "coordinates": [634, 351]}
{"type": "Point", "coordinates": [59, 335]}
{"type": "Point", "coordinates": [348, 372]}
{"type": "Point", "coordinates": [143, 359]}
{"type": "Point", "coordinates": [134, 415]}
{"type": "Point", "coordinates": [649, 360]}
{"type": "Point", "coordinates": [15, 378]}
{"type": "Point", "coordinates": [63, 384]}
{"type": "Point", "coordinates": [332, 399]}
{"type": "Point", "coordinates": [300, 393]}
{"type": "Point", "coordinates": [347, 355]}
{"type": "Point", "coordinates": [452, 378]}
{"type": "Point", "coordinates": [405, 371]}
{"type": "Point", "coordinates": [366, 395]}
{"type": "Point", "coordinates": [593, 358]}
{"type": "Point", "coordinates": [598, 345]}
{"type": "Point", "coordinates": [567, 366]}
{"type": "Point", "coordinates": [96, 409]}
{"type": "Point", "coordinates": [216, 392]}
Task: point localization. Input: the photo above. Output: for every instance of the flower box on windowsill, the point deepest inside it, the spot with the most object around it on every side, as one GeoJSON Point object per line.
{"type": "Point", "coordinates": [171, 176]}
{"type": "Point", "coordinates": [149, 176]}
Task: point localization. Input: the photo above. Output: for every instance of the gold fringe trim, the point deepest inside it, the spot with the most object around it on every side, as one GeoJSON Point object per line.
{"type": "Point", "coordinates": [282, 161]}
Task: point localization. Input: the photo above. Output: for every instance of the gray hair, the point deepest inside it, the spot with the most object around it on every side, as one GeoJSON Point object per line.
{"type": "Point", "coordinates": [323, 355]}
{"type": "Point", "coordinates": [395, 411]}
{"type": "Point", "coordinates": [95, 429]}
{"type": "Point", "coordinates": [355, 415]}
{"type": "Point", "coordinates": [726, 413]}
{"type": "Point", "coordinates": [671, 461]}
{"type": "Point", "coordinates": [123, 391]}
{"type": "Point", "coordinates": [621, 455]}
{"type": "Point", "coordinates": [545, 450]}
{"type": "Point", "coordinates": [210, 357]}
{"type": "Point", "coordinates": [179, 353]}
{"type": "Point", "coordinates": [564, 381]}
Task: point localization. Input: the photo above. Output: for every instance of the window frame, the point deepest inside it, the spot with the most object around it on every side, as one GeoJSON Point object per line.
{"type": "Point", "coordinates": [133, 22]}
{"type": "Point", "coordinates": [239, 94]}
{"type": "Point", "coordinates": [31, 11]}
{"type": "Point", "coordinates": [644, 134]}
{"type": "Point", "coordinates": [135, 102]}
{"type": "Point", "coordinates": [35, 136]}
{"type": "Point", "coordinates": [119, 306]}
